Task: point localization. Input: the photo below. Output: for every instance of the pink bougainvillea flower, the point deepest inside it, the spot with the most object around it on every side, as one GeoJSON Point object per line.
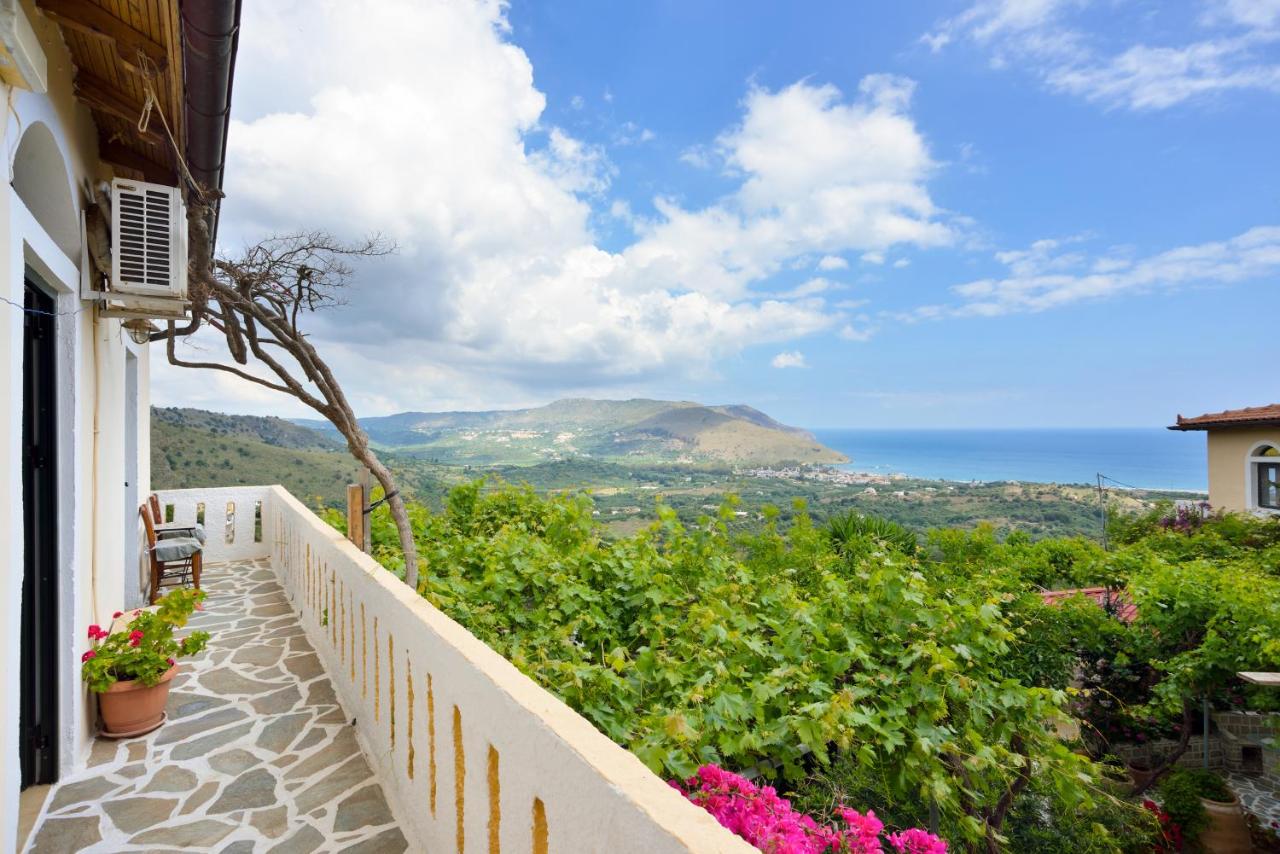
{"type": "Point", "coordinates": [759, 816]}
{"type": "Point", "coordinates": [88, 655]}
{"type": "Point", "coordinates": [916, 841]}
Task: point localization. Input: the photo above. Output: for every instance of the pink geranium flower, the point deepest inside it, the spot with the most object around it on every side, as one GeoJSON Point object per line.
{"type": "Point", "coordinates": [88, 655]}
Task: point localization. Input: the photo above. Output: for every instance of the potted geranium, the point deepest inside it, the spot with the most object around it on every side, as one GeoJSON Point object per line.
{"type": "Point", "coordinates": [130, 669]}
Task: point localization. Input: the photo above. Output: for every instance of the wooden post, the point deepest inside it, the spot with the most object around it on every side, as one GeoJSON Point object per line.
{"type": "Point", "coordinates": [366, 483]}
{"type": "Point", "coordinates": [355, 515]}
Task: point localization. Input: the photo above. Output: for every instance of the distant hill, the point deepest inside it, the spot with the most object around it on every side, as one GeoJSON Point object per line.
{"type": "Point", "coordinates": [266, 429]}
{"type": "Point", "coordinates": [192, 448]}
{"type": "Point", "coordinates": [637, 430]}
{"type": "Point", "coordinates": [185, 456]}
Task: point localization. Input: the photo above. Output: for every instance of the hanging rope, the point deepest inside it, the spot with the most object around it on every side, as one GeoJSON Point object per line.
{"type": "Point", "coordinates": [152, 102]}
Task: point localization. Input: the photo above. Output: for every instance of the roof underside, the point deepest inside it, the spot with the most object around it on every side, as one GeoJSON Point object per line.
{"type": "Point", "coordinates": [125, 50]}
{"type": "Point", "coordinates": [119, 47]}
{"type": "Point", "coordinates": [1253, 416]}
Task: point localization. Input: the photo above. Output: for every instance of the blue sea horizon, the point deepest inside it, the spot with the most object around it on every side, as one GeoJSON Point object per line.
{"type": "Point", "coordinates": [1143, 457]}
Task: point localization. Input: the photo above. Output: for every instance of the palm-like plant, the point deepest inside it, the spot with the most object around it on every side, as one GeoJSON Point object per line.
{"type": "Point", "coordinates": [846, 529]}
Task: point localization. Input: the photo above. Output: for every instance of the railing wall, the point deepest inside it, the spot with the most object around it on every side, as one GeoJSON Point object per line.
{"type": "Point", "coordinates": [472, 754]}
{"type": "Point", "coordinates": [232, 517]}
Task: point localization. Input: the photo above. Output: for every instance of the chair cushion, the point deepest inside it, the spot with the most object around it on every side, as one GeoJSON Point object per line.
{"type": "Point", "coordinates": [176, 548]}
{"type": "Point", "coordinates": [170, 531]}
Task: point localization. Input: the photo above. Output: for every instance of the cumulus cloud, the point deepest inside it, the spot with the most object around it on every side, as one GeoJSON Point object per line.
{"type": "Point", "coordinates": [828, 263]}
{"type": "Point", "coordinates": [789, 359]}
{"type": "Point", "coordinates": [437, 139]}
{"type": "Point", "coordinates": [1236, 52]}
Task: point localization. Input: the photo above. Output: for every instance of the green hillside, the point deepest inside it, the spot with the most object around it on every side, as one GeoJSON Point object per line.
{"type": "Point", "coordinates": [268, 430]}
{"type": "Point", "coordinates": [192, 448]}
{"type": "Point", "coordinates": [632, 431]}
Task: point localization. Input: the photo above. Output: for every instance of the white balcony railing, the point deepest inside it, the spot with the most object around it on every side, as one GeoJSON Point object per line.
{"type": "Point", "coordinates": [472, 754]}
{"type": "Point", "coordinates": [232, 518]}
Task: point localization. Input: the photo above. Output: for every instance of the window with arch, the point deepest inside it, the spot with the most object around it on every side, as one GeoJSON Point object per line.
{"type": "Point", "coordinates": [1264, 471]}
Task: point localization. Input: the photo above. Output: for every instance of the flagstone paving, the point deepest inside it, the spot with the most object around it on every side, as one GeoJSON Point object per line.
{"type": "Point", "coordinates": [256, 756]}
{"type": "Point", "coordinates": [1258, 796]}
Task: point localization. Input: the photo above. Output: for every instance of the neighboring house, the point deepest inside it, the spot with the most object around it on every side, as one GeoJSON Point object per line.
{"type": "Point", "coordinates": [1244, 457]}
{"type": "Point", "coordinates": [77, 76]}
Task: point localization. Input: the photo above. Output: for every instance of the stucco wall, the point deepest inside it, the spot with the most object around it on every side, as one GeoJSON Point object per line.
{"type": "Point", "coordinates": [90, 401]}
{"type": "Point", "coordinates": [1229, 486]}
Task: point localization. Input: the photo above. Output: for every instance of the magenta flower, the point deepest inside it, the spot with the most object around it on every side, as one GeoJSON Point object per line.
{"type": "Point", "coordinates": [96, 632]}
{"type": "Point", "coordinates": [759, 816]}
{"type": "Point", "coordinates": [88, 655]}
{"type": "Point", "coordinates": [916, 841]}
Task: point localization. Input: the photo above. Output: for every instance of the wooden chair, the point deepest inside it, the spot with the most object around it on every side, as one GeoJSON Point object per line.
{"type": "Point", "coordinates": [175, 560]}
{"type": "Point", "coordinates": [165, 530]}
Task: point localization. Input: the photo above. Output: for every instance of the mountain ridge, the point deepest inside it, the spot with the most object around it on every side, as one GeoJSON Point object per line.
{"type": "Point", "coordinates": [632, 429]}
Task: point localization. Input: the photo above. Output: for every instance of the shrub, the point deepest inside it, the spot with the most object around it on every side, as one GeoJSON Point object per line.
{"type": "Point", "coordinates": [691, 647]}
{"type": "Point", "coordinates": [1181, 792]}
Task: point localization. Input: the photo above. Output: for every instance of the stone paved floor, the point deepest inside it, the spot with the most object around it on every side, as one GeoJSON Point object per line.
{"type": "Point", "coordinates": [1257, 796]}
{"type": "Point", "coordinates": [256, 756]}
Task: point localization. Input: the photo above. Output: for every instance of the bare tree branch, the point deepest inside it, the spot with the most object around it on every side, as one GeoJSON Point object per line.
{"type": "Point", "coordinates": [258, 302]}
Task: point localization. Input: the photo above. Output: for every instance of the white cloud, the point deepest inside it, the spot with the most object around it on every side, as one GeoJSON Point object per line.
{"type": "Point", "coordinates": [1037, 34]}
{"type": "Point", "coordinates": [860, 333]}
{"type": "Point", "coordinates": [789, 359]}
{"type": "Point", "coordinates": [828, 263]}
{"type": "Point", "coordinates": [1044, 277]}
{"type": "Point", "coordinates": [436, 139]}
{"type": "Point", "coordinates": [577, 102]}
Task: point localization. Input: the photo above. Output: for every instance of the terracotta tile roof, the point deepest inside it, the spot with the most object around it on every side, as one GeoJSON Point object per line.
{"type": "Point", "coordinates": [1125, 610]}
{"type": "Point", "coordinates": [1231, 418]}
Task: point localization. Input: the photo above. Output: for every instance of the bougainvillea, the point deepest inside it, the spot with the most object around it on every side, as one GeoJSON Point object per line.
{"type": "Point", "coordinates": [767, 821]}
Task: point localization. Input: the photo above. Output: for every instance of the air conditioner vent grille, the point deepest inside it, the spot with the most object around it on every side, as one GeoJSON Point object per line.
{"type": "Point", "coordinates": [145, 246]}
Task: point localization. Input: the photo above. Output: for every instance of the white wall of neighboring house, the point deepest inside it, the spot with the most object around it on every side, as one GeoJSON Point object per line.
{"type": "Point", "coordinates": [50, 147]}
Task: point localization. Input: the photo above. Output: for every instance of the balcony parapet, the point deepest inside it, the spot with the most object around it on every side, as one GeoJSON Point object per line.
{"type": "Point", "coordinates": [472, 754]}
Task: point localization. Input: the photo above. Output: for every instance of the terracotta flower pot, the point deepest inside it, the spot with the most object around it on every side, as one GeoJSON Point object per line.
{"type": "Point", "coordinates": [131, 708]}
{"type": "Point", "coordinates": [1140, 774]}
{"type": "Point", "coordinates": [1227, 833]}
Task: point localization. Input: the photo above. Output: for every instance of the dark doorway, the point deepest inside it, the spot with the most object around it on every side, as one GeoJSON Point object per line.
{"type": "Point", "coordinates": [38, 722]}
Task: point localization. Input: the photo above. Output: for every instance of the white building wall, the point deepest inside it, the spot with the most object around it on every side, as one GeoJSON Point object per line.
{"type": "Point", "coordinates": [91, 355]}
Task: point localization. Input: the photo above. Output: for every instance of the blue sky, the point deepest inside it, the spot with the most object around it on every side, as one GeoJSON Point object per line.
{"type": "Point", "coordinates": [1005, 213]}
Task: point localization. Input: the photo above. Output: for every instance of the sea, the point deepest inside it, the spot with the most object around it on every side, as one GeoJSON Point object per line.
{"type": "Point", "coordinates": [1142, 457]}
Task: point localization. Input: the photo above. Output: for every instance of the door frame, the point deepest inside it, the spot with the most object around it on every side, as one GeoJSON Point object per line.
{"type": "Point", "coordinates": [39, 739]}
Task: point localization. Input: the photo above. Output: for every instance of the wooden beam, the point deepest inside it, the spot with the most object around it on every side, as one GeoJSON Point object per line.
{"type": "Point", "coordinates": [86, 17]}
{"type": "Point", "coordinates": [102, 96]}
{"type": "Point", "coordinates": [119, 154]}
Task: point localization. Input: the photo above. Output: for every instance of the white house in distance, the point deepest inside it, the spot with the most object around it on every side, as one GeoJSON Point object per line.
{"type": "Point", "coordinates": [1244, 457]}
{"type": "Point", "coordinates": [77, 75]}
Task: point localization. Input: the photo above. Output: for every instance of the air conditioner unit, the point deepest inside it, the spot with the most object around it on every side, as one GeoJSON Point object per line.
{"type": "Point", "coordinates": [148, 240]}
